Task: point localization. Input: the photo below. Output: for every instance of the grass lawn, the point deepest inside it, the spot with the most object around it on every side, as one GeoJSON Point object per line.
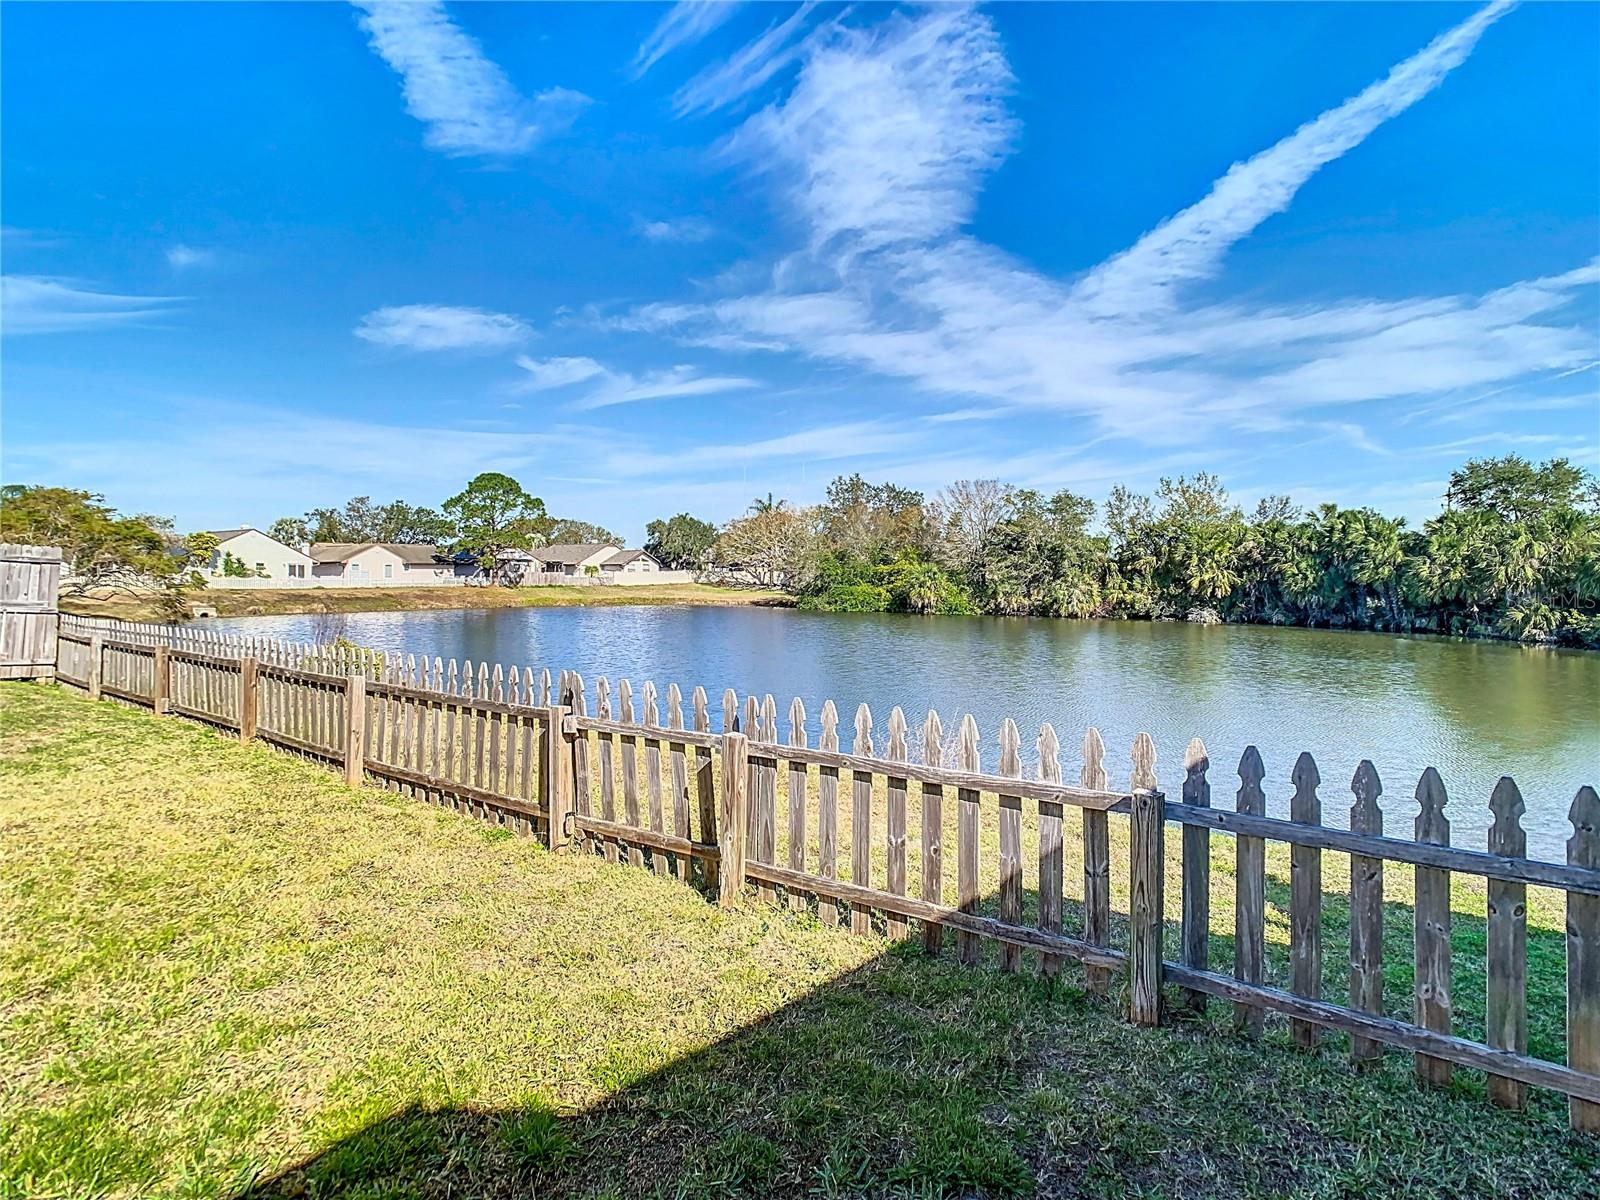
{"type": "Point", "coordinates": [269, 602]}
{"type": "Point", "coordinates": [223, 973]}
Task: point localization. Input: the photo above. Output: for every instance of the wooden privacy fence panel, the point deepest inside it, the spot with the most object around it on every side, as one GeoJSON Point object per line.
{"type": "Point", "coordinates": [30, 581]}
{"type": "Point", "coordinates": [753, 804]}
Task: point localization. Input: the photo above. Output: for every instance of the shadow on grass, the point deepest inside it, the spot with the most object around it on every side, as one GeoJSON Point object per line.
{"type": "Point", "coordinates": [916, 1076]}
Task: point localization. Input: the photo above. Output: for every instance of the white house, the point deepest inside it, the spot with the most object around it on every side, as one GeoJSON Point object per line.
{"type": "Point", "coordinates": [377, 563]}
{"type": "Point", "coordinates": [265, 557]}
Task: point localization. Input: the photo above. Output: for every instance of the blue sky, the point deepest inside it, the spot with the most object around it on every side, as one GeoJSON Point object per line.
{"type": "Point", "coordinates": [650, 258]}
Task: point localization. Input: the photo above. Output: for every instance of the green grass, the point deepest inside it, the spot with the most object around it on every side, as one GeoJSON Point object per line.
{"type": "Point", "coordinates": [223, 973]}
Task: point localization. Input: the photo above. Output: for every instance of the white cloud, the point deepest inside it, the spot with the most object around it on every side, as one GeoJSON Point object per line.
{"type": "Point", "coordinates": [42, 304]}
{"type": "Point", "coordinates": [610, 387]}
{"type": "Point", "coordinates": [879, 151]}
{"type": "Point", "coordinates": [548, 373]}
{"type": "Point", "coordinates": [680, 229]}
{"type": "Point", "coordinates": [465, 100]}
{"type": "Point", "coordinates": [181, 257]}
{"type": "Point", "coordinates": [719, 86]}
{"type": "Point", "coordinates": [684, 24]}
{"type": "Point", "coordinates": [441, 327]}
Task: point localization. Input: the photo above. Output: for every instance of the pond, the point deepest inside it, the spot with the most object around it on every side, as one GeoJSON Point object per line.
{"type": "Point", "coordinates": [1474, 710]}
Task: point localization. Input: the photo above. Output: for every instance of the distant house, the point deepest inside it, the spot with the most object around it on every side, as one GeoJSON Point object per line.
{"type": "Point", "coordinates": [631, 562]}
{"type": "Point", "coordinates": [264, 557]}
{"type": "Point", "coordinates": [399, 563]}
{"type": "Point", "coordinates": [577, 558]}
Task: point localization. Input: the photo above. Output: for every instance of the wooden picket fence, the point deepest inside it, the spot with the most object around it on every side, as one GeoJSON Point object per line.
{"type": "Point", "coordinates": [682, 798]}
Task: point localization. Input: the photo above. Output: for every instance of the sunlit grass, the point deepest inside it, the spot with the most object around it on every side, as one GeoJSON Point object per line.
{"type": "Point", "coordinates": [217, 962]}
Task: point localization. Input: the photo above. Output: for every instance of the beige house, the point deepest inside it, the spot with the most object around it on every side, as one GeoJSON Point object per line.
{"type": "Point", "coordinates": [378, 563]}
{"type": "Point", "coordinates": [266, 557]}
{"type": "Point", "coordinates": [592, 559]}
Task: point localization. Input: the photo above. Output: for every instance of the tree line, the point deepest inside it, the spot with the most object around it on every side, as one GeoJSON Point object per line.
{"type": "Point", "coordinates": [1515, 554]}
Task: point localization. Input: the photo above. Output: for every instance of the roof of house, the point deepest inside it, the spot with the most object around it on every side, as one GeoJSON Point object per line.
{"type": "Point", "coordinates": [623, 557]}
{"type": "Point", "coordinates": [572, 552]}
{"type": "Point", "coordinates": [224, 536]}
{"type": "Point", "coordinates": [419, 554]}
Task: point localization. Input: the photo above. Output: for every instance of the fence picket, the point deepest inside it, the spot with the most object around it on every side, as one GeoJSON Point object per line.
{"type": "Point", "coordinates": [680, 777]}
{"type": "Point", "coordinates": [1096, 862]}
{"type": "Point", "coordinates": [968, 760]}
{"type": "Point", "coordinates": [764, 792]}
{"type": "Point", "coordinates": [895, 819]}
{"type": "Point", "coordinates": [1196, 932]}
{"type": "Point", "coordinates": [578, 701]}
{"type": "Point", "coordinates": [1305, 900]}
{"type": "Point", "coordinates": [704, 783]}
{"type": "Point", "coordinates": [1506, 1009]}
{"type": "Point", "coordinates": [604, 747]}
{"type": "Point", "coordinates": [1432, 927]}
{"type": "Point", "coordinates": [828, 813]}
{"type": "Point", "coordinates": [1146, 867]}
{"type": "Point", "coordinates": [932, 832]}
{"type": "Point", "coordinates": [629, 746]}
{"type": "Point", "coordinates": [652, 773]}
{"type": "Point", "coordinates": [797, 800]}
{"type": "Point", "coordinates": [1010, 843]}
{"type": "Point", "coordinates": [1050, 869]}
{"type": "Point", "coordinates": [861, 822]}
{"type": "Point", "coordinates": [1583, 957]}
{"type": "Point", "coordinates": [1366, 911]}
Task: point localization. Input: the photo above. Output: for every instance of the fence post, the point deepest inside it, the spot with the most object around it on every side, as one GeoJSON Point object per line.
{"type": "Point", "coordinates": [249, 680]}
{"type": "Point", "coordinates": [1583, 957]}
{"type": "Point", "coordinates": [1146, 862]}
{"type": "Point", "coordinates": [555, 773]}
{"type": "Point", "coordinates": [161, 681]}
{"type": "Point", "coordinates": [355, 728]}
{"type": "Point", "coordinates": [735, 805]}
{"type": "Point", "coordinates": [97, 654]}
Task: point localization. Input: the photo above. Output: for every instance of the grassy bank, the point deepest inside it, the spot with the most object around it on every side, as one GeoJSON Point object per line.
{"type": "Point", "coordinates": [223, 973]}
{"type": "Point", "coordinates": [300, 600]}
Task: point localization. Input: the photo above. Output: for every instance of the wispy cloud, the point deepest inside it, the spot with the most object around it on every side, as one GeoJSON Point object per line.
{"type": "Point", "coordinates": [721, 85]}
{"type": "Point", "coordinates": [1190, 245]}
{"type": "Point", "coordinates": [465, 99]}
{"type": "Point", "coordinates": [441, 327]}
{"type": "Point", "coordinates": [679, 229]}
{"type": "Point", "coordinates": [42, 304]}
{"type": "Point", "coordinates": [609, 387]}
{"type": "Point", "coordinates": [13, 238]}
{"type": "Point", "coordinates": [549, 373]}
{"type": "Point", "coordinates": [684, 24]}
{"type": "Point", "coordinates": [878, 152]}
{"type": "Point", "coordinates": [183, 258]}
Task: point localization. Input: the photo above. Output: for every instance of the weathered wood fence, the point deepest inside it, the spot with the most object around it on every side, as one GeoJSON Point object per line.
{"type": "Point", "coordinates": [30, 581]}
{"type": "Point", "coordinates": [863, 833]}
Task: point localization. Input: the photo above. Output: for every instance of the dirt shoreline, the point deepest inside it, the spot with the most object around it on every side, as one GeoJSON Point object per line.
{"type": "Point", "coordinates": [285, 602]}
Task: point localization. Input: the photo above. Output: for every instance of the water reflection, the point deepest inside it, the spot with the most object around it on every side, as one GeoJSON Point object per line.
{"type": "Point", "coordinates": [1474, 710]}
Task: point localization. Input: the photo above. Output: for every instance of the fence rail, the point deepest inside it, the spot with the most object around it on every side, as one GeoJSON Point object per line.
{"type": "Point", "coordinates": [862, 835]}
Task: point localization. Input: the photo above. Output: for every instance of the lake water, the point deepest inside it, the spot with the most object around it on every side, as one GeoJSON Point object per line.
{"type": "Point", "coordinates": [1474, 710]}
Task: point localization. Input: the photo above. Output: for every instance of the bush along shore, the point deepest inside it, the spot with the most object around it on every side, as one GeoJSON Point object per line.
{"type": "Point", "coordinates": [1515, 554]}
